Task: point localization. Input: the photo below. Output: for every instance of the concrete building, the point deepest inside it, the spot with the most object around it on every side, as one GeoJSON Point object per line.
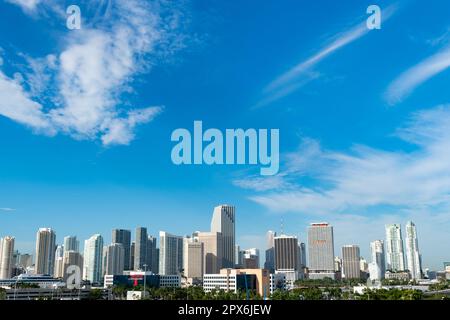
{"type": "Point", "coordinates": [140, 249]}
{"type": "Point", "coordinates": [93, 262]}
{"type": "Point", "coordinates": [270, 251]}
{"type": "Point", "coordinates": [71, 243]}
{"type": "Point", "coordinates": [123, 237]}
{"type": "Point", "coordinates": [152, 255]}
{"type": "Point", "coordinates": [170, 254]}
{"type": "Point", "coordinates": [251, 259]}
{"type": "Point", "coordinates": [395, 259]}
{"type": "Point", "coordinates": [351, 262]}
{"type": "Point", "coordinates": [212, 249]}
{"type": "Point", "coordinates": [6, 257]}
{"type": "Point", "coordinates": [193, 255]}
{"type": "Point", "coordinates": [59, 262]}
{"type": "Point", "coordinates": [115, 259]}
{"type": "Point", "coordinates": [223, 221]}
{"type": "Point", "coordinates": [413, 257]}
{"type": "Point", "coordinates": [378, 258]}
{"type": "Point", "coordinates": [229, 280]}
{"type": "Point", "coordinates": [45, 251]}
{"type": "Point", "coordinates": [321, 251]}
{"type": "Point", "coordinates": [72, 258]}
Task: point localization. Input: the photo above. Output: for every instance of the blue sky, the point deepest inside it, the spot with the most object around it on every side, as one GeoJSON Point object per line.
{"type": "Point", "coordinates": [86, 117]}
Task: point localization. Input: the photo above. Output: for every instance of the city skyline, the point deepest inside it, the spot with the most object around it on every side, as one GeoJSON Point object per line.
{"type": "Point", "coordinates": [363, 116]}
{"type": "Point", "coordinates": [321, 232]}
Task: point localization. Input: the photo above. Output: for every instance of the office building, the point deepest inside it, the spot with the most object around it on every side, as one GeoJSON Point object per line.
{"type": "Point", "coordinates": [270, 251]}
{"type": "Point", "coordinates": [231, 280]}
{"type": "Point", "coordinates": [321, 251]}
{"type": "Point", "coordinates": [25, 260]}
{"type": "Point", "coordinates": [152, 255]}
{"type": "Point", "coordinates": [132, 250]}
{"type": "Point", "coordinates": [223, 221]}
{"type": "Point", "coordinates": [395, 260]}
{"type": "Point", "coordinates": [72, 258]}
{"type": "Point", "coordinates": [351, 262]}
{"type": "Point", "coordinates": [45, 252]}
{"type": "Point", "coordinates": [251, 259]}
{"type": "Point", "coordinates": [59, 263]}
{"type": "Point", "coordinates": [123, 237]}
{"type": "Point", "coordinates": [193, 255]}
{"type": "Point", "coordinates": [140, 249]}
{"type": "Point", "coordinates": [212, 249]}
{"type": "Point", "coordinates": [170, 254]}
{"type": "Point", "coordinates": [115, 259]}
{"type": "Point", "coordinates": [378, 258]}
{"type": "Point", "coordinates": [93, 259]}
{"type": "Point", "coordinates": [71, 244]}
{"type": "Point", "coordinates": [413, 257]}
{"type": "Point", "coordinates": [6, 257]}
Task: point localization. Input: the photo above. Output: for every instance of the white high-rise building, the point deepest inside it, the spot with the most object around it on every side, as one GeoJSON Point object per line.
{"type": "Point", "coordinates": [6, 257]}
{"type": "Point", "coordinates": [71, 243]}
{"type": "Point", "coordinates": [45, 251]}
{"type": "Point", "coordinates": [223, 221]}
{"type": "Point", "coordinates": [93, 252]}
{"type": "Point", "coordinates": [170, 254]}
{"type": "Point", "coordinates": [412, 251]}
{"type": "Point", "coordinates": [378, 258]}
{"type": "Point", "coordinates": [321, 251]}
{"type": "Point", "coordinates": [59, 262]}
{"type": "Point", "coordinates": [115, 259]}
{"type": "Point", "coordinates": [395, 258]}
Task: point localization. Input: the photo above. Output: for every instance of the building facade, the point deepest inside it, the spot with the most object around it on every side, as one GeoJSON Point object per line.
{"type": "Point", "coordinates": [170, 254]}
{"type": "Point", "coordinates": [45, 251]}
{"type": "Point", "coordinates": [123, 237]}
{"type": "Point", "coordinates": [223, 221]}
{"type": "Point", "coordinates": [321, 251]}
{"type": "Point", "coordinates": [395, 259]}
{"type": "Point", "coordinates": [351, 262]}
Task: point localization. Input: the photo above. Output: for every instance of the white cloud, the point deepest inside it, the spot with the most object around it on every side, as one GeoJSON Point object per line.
{"type": "Point", "coordinates": [302, 73]}
{"type": "Point", "coordinates": [366, 177]}
{"type": "Point", "coordinates": [405, 84]}
{"type": "Point", "coordinates": [79, 90]}
{"type": "Point", "coordinates": [27, 5]}
{"type": "Point", "coordinates": [7, 209]}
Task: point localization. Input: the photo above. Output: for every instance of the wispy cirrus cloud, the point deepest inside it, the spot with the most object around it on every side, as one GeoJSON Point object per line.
{"type": "Point", "coordinates": [408, 81]}
{"type": "Point", "coordinates": [303, 72]}
{"type": "Point", "coordinates": [79, 91]}
{"type": "Point", "coordinates": [318, 181]}
{"type": "Point", "coordinates": [7, 209]}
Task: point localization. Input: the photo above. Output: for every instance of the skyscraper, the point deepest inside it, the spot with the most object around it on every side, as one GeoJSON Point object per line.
{"type": "Point", "coordinates": [412, 251]}
{"type": "Point", "coordinates": [45, 251]}
{"type": "Point", "coordinates": [170, 254]}
{"type": "Point", "coordinates": [140, 249]}
{"type": "Point", "coordinates": [124, 237]}
{"type": "Point", "coordinates": [351, 262]}
{"type": "Point", "coordinates": [59, 262]}
{"type": "Point", "coordinates": [152, 255]}
{"type": "Point", "coordinates": [378, 268]}
{"type": "Point", "coordinates": [115, 259]}
{"type": "Point", "coordinates": [302, 255]}
{"type": "Point", "coordinates": [270, 251]}
{"type": "Point", "coordinates": [71, 258]}
{"type": "Point", "coordinates": [93, 252]}
{"type": "Point", "coordinates": [193, 255]}
{"type": "Point", "coordinates": [212, 249]}
{"type": "Point", "coordinates": [286, 253]}
{"type": "Point", "coordinates": [321, 251]}
{"type": "Point", "coordinates": [223, 221]}
{"type": "Point", "coordinates": [71, 243]}
{"type": "Point", "coordinates": [132, 250]}
{"type": "Point", "coordinates": [6, 257]}
{"type": "Point", "coordinates": [395, 259]}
